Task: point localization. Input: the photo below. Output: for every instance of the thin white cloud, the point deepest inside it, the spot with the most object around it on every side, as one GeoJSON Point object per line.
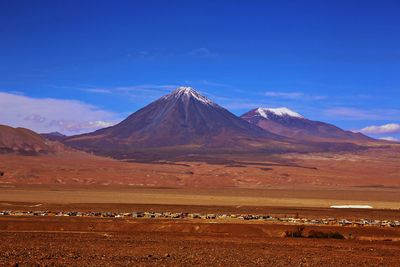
{"type": "Point", "coordinates": [293, 95]}
{"type": "Point", "coordinates": [208, 83]}
{"type": "Point", "coordinates": [240, 105]}
{"type": "Point", "coordinates": [361, 114]}
{"type": "Point", "coordinates": [389, 138]}
{"type": "Point", "coordinates": [48, 115]}
{"type": "Point", "coordinates": [285, 94]}
{"type": "Point", "coordinates": [99, 91]}
{"type": "Point", "coordinates": [390, 128]}
{"type": "Point", "coordinates": [147, 91]}
{"type": "Point", "coordinates": [80, 126]}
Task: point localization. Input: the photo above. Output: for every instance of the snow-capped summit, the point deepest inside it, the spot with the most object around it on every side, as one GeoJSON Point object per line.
{"type": "Point", "coordinates": [265, 112]}
{"type": "Point", "coordinates": [186, 92]}
{"type": "Point", "coordinates": [288, 123]}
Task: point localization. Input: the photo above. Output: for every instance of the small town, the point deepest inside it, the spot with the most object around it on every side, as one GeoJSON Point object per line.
{"type": "Point", "coordinates": [198, 216]}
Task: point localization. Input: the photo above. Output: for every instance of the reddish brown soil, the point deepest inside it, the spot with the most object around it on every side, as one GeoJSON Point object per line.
{"type": "Point", "coordinates": [292, 183]}
{"type": "Point", "coordinates": [299, 197]}
{"type": "Point", "coordinates": [119, 242]}
{"type": "Point", "coordinates": [375, 168]}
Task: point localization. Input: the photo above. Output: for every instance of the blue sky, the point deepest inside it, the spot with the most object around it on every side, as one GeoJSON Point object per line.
{"type": "Point", "coordinates": [87, 64]}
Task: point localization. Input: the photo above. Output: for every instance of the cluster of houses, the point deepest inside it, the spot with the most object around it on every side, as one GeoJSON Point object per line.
{"type": "Point", "coordinates": [181, 215]}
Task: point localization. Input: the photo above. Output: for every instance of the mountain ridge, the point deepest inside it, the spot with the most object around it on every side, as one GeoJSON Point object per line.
{"type": "Point", "coordinates": [21, 140]}
{"type": "Point", "coordinates": [293, 125]}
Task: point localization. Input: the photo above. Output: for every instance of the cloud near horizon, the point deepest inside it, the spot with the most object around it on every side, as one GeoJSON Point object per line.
{"type": "Point", "coordinates": [49, 115]}
{"type": "Point", "coordinates": [389, 138]}
{"type": "Point", "coordinates": [144, 91]}
{"type": "Point", "coordinates": [391, 128]}
{"type": "Point", "coordinates": [348, 113]}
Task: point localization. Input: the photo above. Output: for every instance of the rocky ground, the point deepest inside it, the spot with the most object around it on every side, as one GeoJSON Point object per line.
{"type": "Point", "coordinates": [113, 242]}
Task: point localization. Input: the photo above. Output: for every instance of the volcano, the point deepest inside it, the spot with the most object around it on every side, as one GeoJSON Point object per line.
{"type": "Point", "coordinates": [183, 118]}
{"type": "Point", "coordinates": [288, 123]}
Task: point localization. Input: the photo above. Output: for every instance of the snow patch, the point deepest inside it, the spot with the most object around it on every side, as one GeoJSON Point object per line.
{"type": "Point", "coordinates": [188, 92]}
{"type": "Point", "coordinates": [265, 112]}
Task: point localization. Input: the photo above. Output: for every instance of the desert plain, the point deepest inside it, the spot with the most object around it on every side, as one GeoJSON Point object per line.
{"type": "Point", "coordinates": [280, 186]}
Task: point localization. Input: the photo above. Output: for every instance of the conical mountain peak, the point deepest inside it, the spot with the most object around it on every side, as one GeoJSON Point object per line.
{"type": "Point", "coordinates": [183, 117]}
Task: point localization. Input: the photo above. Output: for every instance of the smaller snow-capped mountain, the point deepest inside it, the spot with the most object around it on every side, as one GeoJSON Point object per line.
{"type": "Point", "coordinates": [286, 122]}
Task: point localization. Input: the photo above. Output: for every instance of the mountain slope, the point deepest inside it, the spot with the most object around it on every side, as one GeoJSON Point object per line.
{"type": "Point", "coordinates": [182, 118]}
{"type": "Point", "coordinates": [21, 140]}
{"type": "Point", "coordinates": [285, 122]}
{"type": "Point", "coordinates": [54, 136]}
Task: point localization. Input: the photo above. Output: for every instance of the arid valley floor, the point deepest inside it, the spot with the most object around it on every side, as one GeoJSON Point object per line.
{"type": "Point", "coordinates": [289, 186]}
